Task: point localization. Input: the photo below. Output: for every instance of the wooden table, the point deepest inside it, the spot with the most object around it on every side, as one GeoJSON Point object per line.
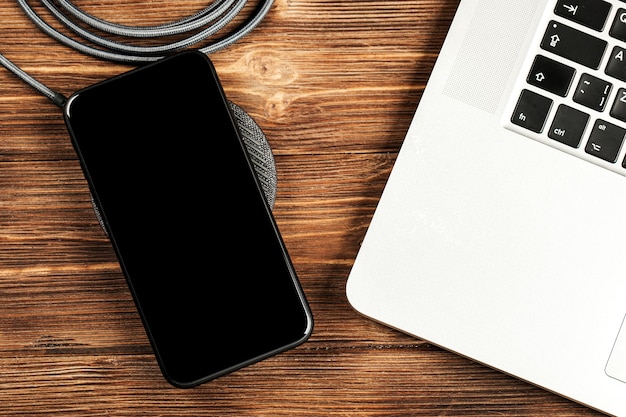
{"type": "Point", "coordinates": [333, 84]}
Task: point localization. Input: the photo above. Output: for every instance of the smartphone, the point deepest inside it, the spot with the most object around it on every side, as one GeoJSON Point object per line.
{"type": "Point", "coordinates": [191, 227]}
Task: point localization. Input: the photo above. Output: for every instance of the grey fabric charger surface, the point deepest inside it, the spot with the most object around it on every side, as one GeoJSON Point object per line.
{"type": "Point", "coordinates": [259, 150]}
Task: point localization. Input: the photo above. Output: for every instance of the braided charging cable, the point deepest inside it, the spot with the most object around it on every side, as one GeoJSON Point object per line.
{"type": "Point", "coordinates": [89, 34]}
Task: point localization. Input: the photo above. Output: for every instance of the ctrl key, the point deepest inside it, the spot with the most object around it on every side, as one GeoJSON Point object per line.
{"type": "Point", "coordinates": [531, 111]}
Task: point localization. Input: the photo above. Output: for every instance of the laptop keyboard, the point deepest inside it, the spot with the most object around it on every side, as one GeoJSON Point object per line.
{"type": "Point", "coordinates": [572, 90]}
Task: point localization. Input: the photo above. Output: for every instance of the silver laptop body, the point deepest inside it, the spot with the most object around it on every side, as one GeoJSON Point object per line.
{"type": "Point", "coordinates": [498, 236]}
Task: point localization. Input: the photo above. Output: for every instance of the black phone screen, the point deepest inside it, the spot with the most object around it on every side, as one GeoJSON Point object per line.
{"type": "Point", "coordinates": [195, 238]}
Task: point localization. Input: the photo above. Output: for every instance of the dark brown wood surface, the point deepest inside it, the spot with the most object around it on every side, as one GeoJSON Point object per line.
{"type": "Point", "coordinates": [333, 84]}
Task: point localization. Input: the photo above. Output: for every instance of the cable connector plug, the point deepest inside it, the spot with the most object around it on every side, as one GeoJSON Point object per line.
{"type": "Point", "coordinates": [59, 99]}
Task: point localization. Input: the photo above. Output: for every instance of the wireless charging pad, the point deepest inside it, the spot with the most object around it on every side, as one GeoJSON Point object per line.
{"type": "Point", "coordinates": [258, 149]}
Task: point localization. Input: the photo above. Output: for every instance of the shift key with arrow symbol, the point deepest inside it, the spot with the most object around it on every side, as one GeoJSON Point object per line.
{"type": "Point", "coordinates": [551, 75]}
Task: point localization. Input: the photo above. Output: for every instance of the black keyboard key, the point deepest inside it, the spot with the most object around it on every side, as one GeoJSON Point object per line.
{"type": "Point", "coordinates": [574, 45]}
{"type": "Point", "coordinates": [590, 13]}
{"type": "Point", "coordinates": [617, 64]}
{"type": "Point", "coordinates": [551, 75]}
{"type": "Point", "coordinates": [531, 111]}
{"type": "Point", "coordinates": [605, 141]}
{"type": "Point", "coordinates": [592, 92]}
{"type": "Point", "coordinates": [619, 106]}
{"type": "Point", "coordinates": [568, 126]}
{"type": "Point", "coordinates": [618, 29]}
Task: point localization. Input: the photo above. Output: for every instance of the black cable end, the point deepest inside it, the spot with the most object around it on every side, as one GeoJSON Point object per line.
{"type": "Point", "coordinates": [59, 99]}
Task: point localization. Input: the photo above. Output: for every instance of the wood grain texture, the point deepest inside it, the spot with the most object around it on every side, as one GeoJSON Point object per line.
{"type": "Point", "coordinates": [333, 84]}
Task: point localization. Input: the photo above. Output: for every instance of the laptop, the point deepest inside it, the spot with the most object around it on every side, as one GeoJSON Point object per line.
{"type": "Point", "coordinates": [501, 233]}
